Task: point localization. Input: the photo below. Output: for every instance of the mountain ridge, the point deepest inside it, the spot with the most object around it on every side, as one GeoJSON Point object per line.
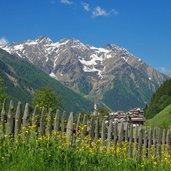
{"type": "Point", "coordinates": [108, 72]}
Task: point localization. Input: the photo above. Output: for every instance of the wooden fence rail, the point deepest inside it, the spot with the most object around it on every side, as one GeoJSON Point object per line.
{"type": "Point", "coordinates": [140, 141]}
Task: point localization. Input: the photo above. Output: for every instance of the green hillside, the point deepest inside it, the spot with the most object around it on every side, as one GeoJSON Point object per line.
{"type": "Point", "coordinates": [124, 90]}
{"type": "Point", "coordinates": [161, 119]}
{"type": "Point", "coordinates": [159, 100]}
{"type": "Point", "coordinates": [22, 78]}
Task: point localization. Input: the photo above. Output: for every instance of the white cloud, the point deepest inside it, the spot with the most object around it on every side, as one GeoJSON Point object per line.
{"type": "Point", "coordinates": [114, 12]}
{"type": "Point", "coordinates": [3, 41]}
{"type": "Point", "coordinates": [86, 6]}
{"type": "Point", "coordinates": [66, 2]}
{"type": "Point", "coordinates": [98, 11]}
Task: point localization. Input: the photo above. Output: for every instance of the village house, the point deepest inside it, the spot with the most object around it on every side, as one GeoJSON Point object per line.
{"type": "Point", "coordinates": [134, 116]}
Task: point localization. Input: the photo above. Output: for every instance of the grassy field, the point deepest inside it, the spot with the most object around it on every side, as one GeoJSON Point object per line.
{"type": "Point", "coordinates": [162, 119]}
{"type": "Point", "coordinates": [55, 153]}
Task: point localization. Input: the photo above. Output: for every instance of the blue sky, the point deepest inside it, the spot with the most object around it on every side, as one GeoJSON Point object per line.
{"type": "Point", "coordinates": [141, 26]}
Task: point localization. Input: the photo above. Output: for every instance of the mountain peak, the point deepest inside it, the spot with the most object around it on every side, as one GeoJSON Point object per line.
{"type": "Point", "coordinates": [44, 39]}
{"type": "Point", "coordinates": [111, 72]}
{"type": "Point", "coordinates": [70, 41]}
{"type": "Point", "coordinates": [113, 47]}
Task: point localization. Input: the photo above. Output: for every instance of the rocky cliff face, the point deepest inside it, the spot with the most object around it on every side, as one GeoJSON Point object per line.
{"type": "Point", "coordinates": [116, 77]}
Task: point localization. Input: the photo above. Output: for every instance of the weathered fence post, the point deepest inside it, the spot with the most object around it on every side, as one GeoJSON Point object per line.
{"type": "Point", "coordinates": [57, 121]}
{"type": "Point", "coordinates": [130, 141]}
{"type": "Point", "coordinates": [78, 124]}
{"type": "Point", "coordinates": [163, 140]}
{"type": "Point", "coordinates": [103, 135]}
{"type": "Point", "coordinates": [18, 118]}
{"type": "Point", "coordinates": [154, 142]}
{"type": "Point", "coordinates": [3, 117]}
{"type": "Point", "coordinates": [91, 131]}
{"type": "Point", "coordinates": [136, 135]}
{"type": "Point", "coordinates": [42, 122]}
{"type": "Point", "coordinates": [145, 143]}
{"type": "Point", "coordinates": [97, 129]}
{"type": "Point", "coordinates": [109, 135]}
{"type": "Point", "coordinates": [121, 136]}
{"type": "Point", "coordinates": [167, 141]}
{"type": "Point", "coordinates": [49, 122]}
{"type": "Point", "coordinates": [10, 119]}
{"type": "Point", "coordinates": [84, 119]}
{"type": "Point", "coordinates": [26, 115]}
{"type": "Point", "coordinates": [168, 137]}
{"type": "Point", "coordinates": [63, 122]}
{"type": "Point", "coordinates": [35, 120]}
{"type": "Point", "coordinates": [115, 135]}
{"type": "Point", "coordinates": [135, 149]}
{"type": "Point", "coordinates": [159, 143]}
{"type": "Point", "coordinates": [140, 144]}
{"type": "Point", "coordinates": [164, 136]}
{"type": "Point", "coordinates": [69, 129]}
{"type": "Point", "coordinates": [26, 120]}
{"type": "Point", "coordinates": [126, 133]}
{"type": "Point", "coordinates": [84, 125]}
{"type": "Point", "coordinates": [149, 142]}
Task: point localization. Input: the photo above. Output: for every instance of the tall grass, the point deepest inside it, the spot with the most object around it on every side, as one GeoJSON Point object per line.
{"type": "Point", "coordinates": [56, 153]}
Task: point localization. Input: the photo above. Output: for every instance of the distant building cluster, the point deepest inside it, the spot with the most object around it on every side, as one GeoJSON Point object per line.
{"type": "Point", "coordinates": [134, 116]}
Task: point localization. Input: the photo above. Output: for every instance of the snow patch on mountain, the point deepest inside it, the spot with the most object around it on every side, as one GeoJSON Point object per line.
{"type": "Point", "coordinates": [19, 47]}
{"type": "Point", "coordinates": [53, 75]}
{"type": "Point", "coordinates": [31, 43]}
{"type": "Point", "coordinates": [6, 48]}
{"type": "Point", "coordinates": [125, 59]}
{"type": "Point", "coordinates": [93, 69]}
{"type": "Point", "coordinates": [46, 52]}
{"type": "Point", "coordinates": [100, 50]}
{"type": "Point", "coordinates": [93, 60]}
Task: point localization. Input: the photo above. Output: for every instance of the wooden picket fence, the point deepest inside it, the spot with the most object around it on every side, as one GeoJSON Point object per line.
{"type": "Point", "coordinates": [140, 140]}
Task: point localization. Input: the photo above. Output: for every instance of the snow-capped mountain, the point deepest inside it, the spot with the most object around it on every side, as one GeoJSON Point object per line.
{"type": "Point", "coordinates": [116, 77]}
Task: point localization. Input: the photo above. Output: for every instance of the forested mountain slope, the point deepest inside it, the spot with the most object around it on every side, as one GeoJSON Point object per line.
{"type": "Point", "coordinates": [22, 78]}
{"type": "Point", "coordinates": [160, 100]}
